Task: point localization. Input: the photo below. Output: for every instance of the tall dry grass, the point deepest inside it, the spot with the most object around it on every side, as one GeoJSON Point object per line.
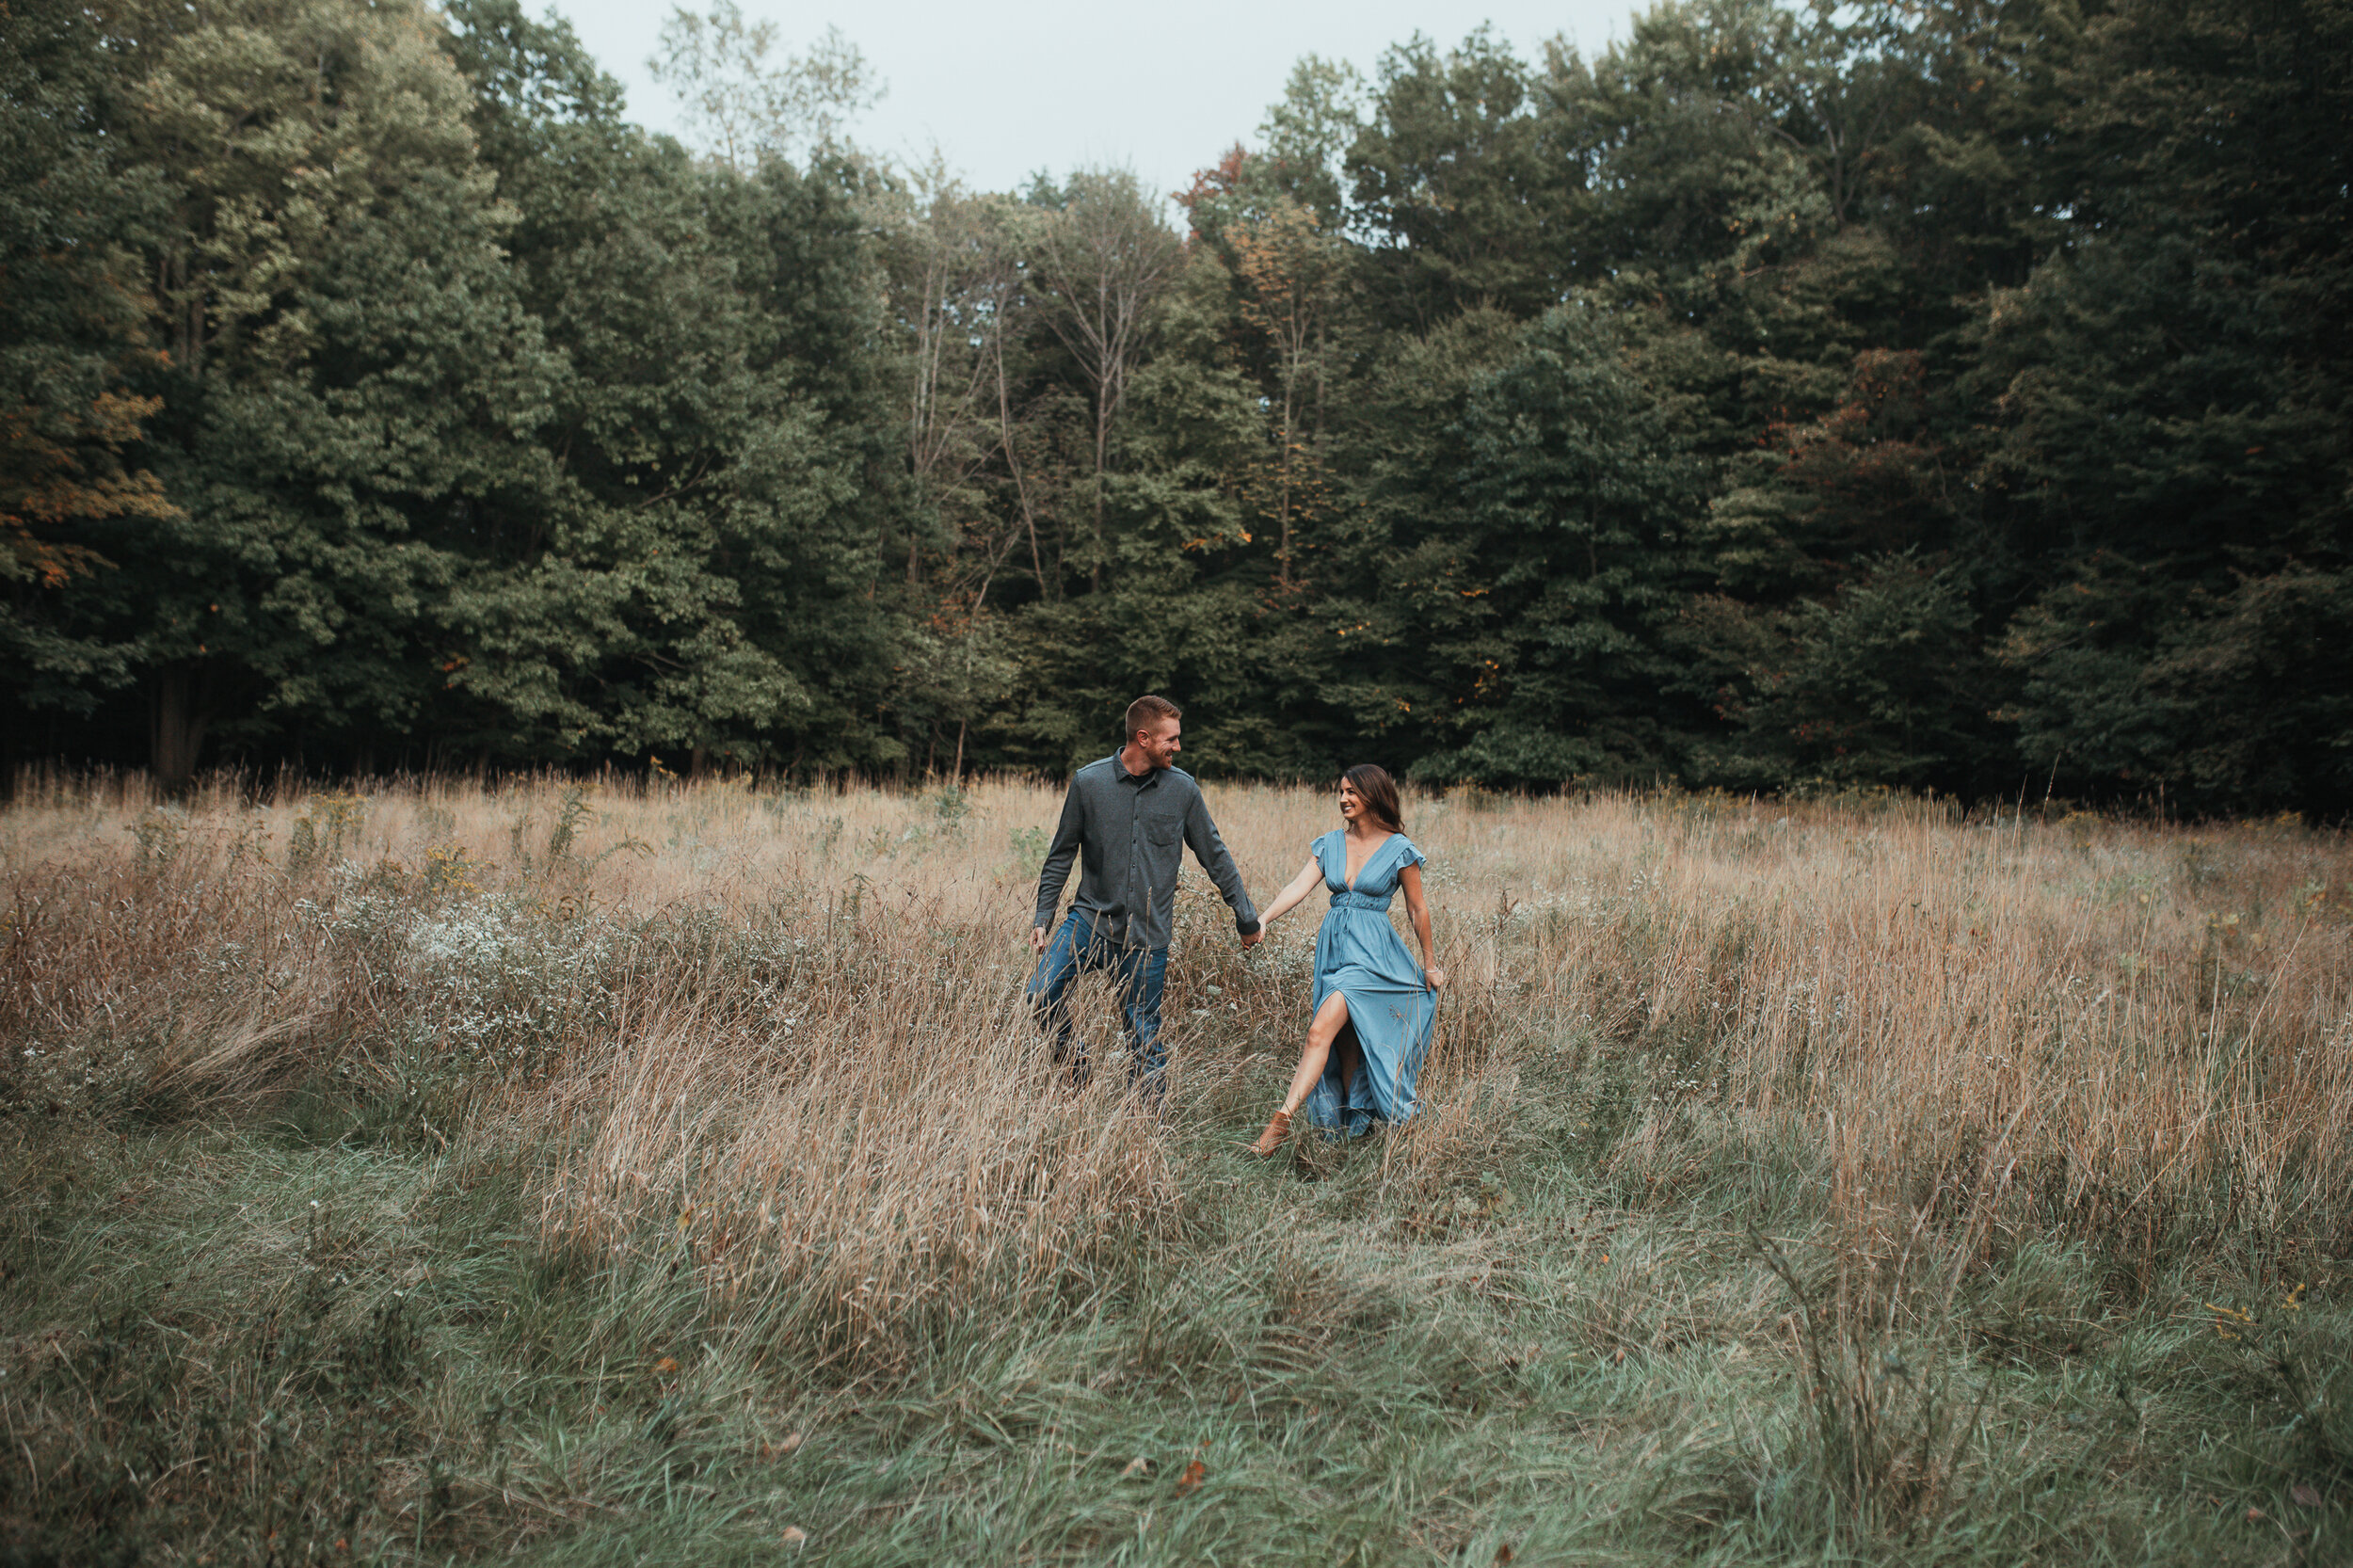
{"type": "Point", "coordinates": [780, 1037]}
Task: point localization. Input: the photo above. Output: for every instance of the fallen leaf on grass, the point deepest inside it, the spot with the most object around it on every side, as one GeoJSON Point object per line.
{"type": "Point", "coordinates": [1504, 1553]}
{"type": "Point", "coordinates": [1194, 1474]}
{"type": "Point", "coordinates": [794, 1535]}
{"type": "Point", "coordinates": [2304, 1496]}
{"type": "Point", "coordinates": [1139, 1465]}
{"type": "Point", "coordinates": [794, 1441]}
{"type": "Point", "coordinates": [667, 1364]}
{"type": "Point", "coordinates": [2255, 1515]}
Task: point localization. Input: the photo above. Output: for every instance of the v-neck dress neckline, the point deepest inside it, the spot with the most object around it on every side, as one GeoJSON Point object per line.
{"type": "Point", "coordinates": [1348, 883]}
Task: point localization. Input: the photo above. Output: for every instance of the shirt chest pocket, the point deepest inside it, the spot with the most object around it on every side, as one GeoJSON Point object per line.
{"type": "Point", "coordinates": [1163, 833]}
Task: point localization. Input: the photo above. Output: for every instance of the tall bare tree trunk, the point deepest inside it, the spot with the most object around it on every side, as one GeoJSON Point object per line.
{"type": "Point", "coordinates": [177, 718]}
{"type": "Point", "coordinates": [1102, 467]}
{"type": "Point", "coordinates": [1100, 267]}
{"type": "Point", "coordinates": [954, 279]}
{"type": "Point", "coordinates": [11, 717]}
{"type": "Point", "coordinates": [1291, 269]}
{"type": "Point", "coordinates": [1020, 481]}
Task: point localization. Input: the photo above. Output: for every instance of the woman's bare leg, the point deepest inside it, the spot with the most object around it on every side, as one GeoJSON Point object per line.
{"type": "Point", "coordinates": [1321, 1030]}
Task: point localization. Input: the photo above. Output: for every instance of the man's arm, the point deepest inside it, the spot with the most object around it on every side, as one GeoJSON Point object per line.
{"type": "Point", "coordinates": [1059, 855]}
{"type": "Point", "coordinates": [1209, 849]}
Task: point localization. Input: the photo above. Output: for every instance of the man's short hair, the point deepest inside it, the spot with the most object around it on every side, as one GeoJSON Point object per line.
{"type": "Point", "coordinates": [1146, 711]}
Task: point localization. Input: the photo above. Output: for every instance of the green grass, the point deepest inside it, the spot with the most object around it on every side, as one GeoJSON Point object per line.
{"type": "Point", "coordinates": [202, 1365]}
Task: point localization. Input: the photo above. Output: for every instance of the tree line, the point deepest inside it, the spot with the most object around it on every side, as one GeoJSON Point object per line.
{"type": "Point", "coordinates": [1943, 396]}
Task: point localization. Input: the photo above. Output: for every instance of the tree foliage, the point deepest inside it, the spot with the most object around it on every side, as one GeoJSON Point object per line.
{"type": "Point", "coordinates": [1881, 394]}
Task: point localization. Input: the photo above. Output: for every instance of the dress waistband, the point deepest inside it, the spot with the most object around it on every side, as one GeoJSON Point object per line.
{"type": "Point", "coordinates": [1349, 900]}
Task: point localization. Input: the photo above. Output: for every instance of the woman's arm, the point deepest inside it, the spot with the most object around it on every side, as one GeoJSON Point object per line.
{"type": "Point", "coordinates": [1307, 881]}
{"type": "Point", "coordinates": [1417, 910]}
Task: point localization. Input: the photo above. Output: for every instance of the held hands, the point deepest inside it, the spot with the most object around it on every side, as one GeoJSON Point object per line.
{"type": "Point", "coordinates": [1037, 939]}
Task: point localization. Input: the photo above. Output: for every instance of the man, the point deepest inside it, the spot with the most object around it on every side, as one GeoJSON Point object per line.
{"type": "Point", "coordinates": [1130, 814]}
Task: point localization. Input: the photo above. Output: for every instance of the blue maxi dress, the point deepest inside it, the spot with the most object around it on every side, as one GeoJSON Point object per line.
{"type": "Point", "coordinates": [1391, 1009]}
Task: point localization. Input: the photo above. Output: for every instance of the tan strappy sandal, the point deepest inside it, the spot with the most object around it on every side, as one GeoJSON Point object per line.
{"type": "Point", "coordinates": [1271, 1139]}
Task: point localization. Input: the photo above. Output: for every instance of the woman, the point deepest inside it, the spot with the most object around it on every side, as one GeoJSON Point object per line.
{"type": "Point", "coordinates": [1374, 1005]}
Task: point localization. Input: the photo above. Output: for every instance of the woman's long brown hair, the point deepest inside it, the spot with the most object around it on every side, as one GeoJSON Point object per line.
{"type": "Point", "coordinates": [1378, 790]}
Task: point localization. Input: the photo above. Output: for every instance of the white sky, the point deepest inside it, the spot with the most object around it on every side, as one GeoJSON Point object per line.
{"type": "Point", "coordinates": [1057, 83]}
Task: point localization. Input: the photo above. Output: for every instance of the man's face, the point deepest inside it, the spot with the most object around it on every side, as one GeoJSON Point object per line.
{"type": "Point", "coordinates": [1160, 744]}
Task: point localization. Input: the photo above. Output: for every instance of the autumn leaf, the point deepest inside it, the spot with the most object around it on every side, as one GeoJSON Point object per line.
{"type": "Point", "coordinates": [1191, 1481]}
{"type": "Point", "coordinates": [667, 1364]}
{"type": "Point", "coordinates": [70, 474]}
{"type": "Point", "coordinates": [794, 1535]}
{"type": "Point", "coordinates": [2304, 1496]}
{"type": "Point", "coordinates": [1139, 1465]}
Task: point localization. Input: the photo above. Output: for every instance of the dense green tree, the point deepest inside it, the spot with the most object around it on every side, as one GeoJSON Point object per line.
{"type": "Point", "coordinates": [348, 367]}
{"type": "Point", "coordinates": [1691, 179]}
{"type": "Point", "coordinates": [1310, 134]}
{"type": "Point", "coordinates": [1471, 197]}
{"type": "Point", "coordinates": [698, 578]}
{"type": "Point", "coordinates": [72, 347]}
{"type": "Point", "coordinates": [1882, 682]}
{"type": "Point", "coordinates": [1780, 397]}
{"type": "Point", "coordinates": [1578, 487]}
{"type": "Point", "coordinates": [2173, 407]}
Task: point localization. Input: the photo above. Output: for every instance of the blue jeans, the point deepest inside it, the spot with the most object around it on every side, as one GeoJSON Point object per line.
{"type": "Point", "coordinates": [1140, 974]}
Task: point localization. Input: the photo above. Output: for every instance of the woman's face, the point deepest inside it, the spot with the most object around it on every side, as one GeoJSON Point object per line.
{"type": "Point", "coordinates": [1352, 804]}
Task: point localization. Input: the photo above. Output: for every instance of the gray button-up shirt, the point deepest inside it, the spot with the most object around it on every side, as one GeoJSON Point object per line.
{"type": "Point", "coordinates": [1133, 828]}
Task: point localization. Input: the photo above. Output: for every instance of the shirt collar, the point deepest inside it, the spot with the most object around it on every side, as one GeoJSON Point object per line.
{"type": "Point", "coordinates": [1119, 766]}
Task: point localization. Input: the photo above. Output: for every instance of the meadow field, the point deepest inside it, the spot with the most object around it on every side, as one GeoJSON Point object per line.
{"type": "Point", "coordinates": [591, 1173]}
